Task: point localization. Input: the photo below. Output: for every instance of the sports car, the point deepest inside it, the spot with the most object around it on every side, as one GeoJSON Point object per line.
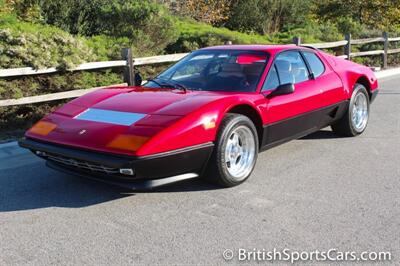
{"type": "Point", "coordinates": [208, 115]}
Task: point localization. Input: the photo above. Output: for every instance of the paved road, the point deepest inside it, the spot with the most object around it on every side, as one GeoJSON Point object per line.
{"type": "Point", "coordinates": [319, 192]}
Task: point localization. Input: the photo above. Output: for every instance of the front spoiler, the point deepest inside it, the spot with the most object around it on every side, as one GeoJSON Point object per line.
{"type": "Point", "coordinates": [90, 163]}
{"type": "Point", "coordinates": [137, 185]}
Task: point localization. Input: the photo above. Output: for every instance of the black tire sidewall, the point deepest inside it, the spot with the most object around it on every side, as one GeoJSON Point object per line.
{"type": "Point", "coordinates": [234, 121]}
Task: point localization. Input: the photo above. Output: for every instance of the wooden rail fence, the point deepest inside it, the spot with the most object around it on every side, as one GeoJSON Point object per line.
{"type": "Point", "coordinates": [348, 42]}
{"type": "Point", "coordinates": [129, 63]}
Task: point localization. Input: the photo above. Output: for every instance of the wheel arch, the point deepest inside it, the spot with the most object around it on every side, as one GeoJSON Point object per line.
{"type": "Point", "coordinates": [363, 80]}
{"type": "Point", "coordinates": [252, 114]}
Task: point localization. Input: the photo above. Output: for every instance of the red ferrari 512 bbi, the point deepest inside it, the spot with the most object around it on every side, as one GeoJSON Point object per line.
{"type": "Point", "coordinates": [208, 115]}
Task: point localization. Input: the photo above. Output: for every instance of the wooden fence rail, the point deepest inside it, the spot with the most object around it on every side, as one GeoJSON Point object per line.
{"type": "Point", "coordinates": [129, 63]}
{"type": "Point", "coordinates": [51, 96]}
{"type": "Point", "coordinates": [326, 45]}
{"type": "Point", "coordinates": [26, 71]}
{"type": "Point", "coordinates": [348, 42]}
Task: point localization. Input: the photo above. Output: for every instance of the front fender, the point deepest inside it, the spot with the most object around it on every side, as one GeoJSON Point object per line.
{"type": "Point", "coordinates": [198, 127]}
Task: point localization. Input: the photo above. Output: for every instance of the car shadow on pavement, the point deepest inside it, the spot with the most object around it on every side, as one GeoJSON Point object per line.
{"type": "Point", "coordinates": [321, 134]}
{"type": "Point", "coordinates": [37, 187]}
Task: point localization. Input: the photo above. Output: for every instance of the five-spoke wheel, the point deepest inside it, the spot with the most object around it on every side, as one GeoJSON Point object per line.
{"type": "Point", "coordinates": [359, 115]}
{"type": "Point", "coordinates": [235, 152]}
{"type": "Point", "coordinates": [239, 152]}
{"type": "Point", "coordinates": [355, 119]}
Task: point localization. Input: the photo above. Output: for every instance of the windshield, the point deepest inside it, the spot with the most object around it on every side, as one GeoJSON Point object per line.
{"type": "Point", "coordinates": [215, 70]}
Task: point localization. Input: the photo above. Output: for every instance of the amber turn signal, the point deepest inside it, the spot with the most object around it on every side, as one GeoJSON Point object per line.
{"type": "Point", "coordinates": [209, 122]}
{"type": "Point", "coordinates": [42, 128]}
{"type": "Point", "coordinates": [127, 142]}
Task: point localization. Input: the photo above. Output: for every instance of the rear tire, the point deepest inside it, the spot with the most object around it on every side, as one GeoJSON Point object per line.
{"type": "Point", "coordinates": [235, 152]}
{"type": "Point", "coordinates": [355, 120]}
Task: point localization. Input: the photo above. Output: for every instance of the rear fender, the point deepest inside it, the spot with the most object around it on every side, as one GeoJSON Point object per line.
{"type": "Point", "coordinates": [351, 73]}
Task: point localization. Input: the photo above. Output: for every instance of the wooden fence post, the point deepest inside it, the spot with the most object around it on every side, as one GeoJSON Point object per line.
{"type": "Point", "coordinates": [385, 36]}
{"type": "Point", "coordinates": [129, 71]}
{"type": "Point", "coordinates": [347, 47]}
{"type": "Point", "coordinates": [296, 40]}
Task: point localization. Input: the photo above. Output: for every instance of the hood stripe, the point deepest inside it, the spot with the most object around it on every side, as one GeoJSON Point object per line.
{"type": "Point", "coordinates": [110, 117]}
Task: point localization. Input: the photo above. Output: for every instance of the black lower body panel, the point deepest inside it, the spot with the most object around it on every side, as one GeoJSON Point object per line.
{"type": "Point", "coordinates": [301, 125]}
{"type": "Point", "coordinates": [107, 166]}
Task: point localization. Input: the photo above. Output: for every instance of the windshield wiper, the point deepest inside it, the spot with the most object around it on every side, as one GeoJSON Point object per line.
{"type": "Point", "coordinates": [156, 82]}
{"type": "Point", "coordinates": [167, 83]}
{"type": "Point", "coordinates": [179, 86]}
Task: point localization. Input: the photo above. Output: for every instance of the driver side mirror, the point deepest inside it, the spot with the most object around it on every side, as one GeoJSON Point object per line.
{"type": "Point", "coordinates": [283, 89]}
{"type": "Point", "coordinates": [138, 78]}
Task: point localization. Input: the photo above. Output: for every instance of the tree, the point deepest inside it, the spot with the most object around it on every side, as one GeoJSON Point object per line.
{"type": "Point", "coordinates": [381, 14]}
{"type": "Point", "coordinates": [207, 11]}
{"type": "Point", "coordinates": [266, 16]}
{"type": "Point", "coordinates": [27, 10]}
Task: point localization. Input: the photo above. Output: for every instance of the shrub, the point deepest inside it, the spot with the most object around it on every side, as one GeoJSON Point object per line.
{"type": "Point", "coordinates": [193, 35]}
{"type": "Point", "coordinates": [25, 44]}
{"type": "Point", "coordinates": [148, 25]}
{"type": "Point", "coordinates": [106, 47]}
{"type": "Point", "coordinates": [347, 25]}
{"type": "Point", "coordinates": [310, 33]}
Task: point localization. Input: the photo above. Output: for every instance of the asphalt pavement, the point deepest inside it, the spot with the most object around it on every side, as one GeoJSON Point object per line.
{"type": "Point", "coordinates": [320, 192]}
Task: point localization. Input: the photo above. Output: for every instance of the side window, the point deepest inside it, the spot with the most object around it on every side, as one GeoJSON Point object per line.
{"type": "Point", "coordinates": [272, 82]}
{"type": "Point", "coordinates": [317, 67]}
{"type": "Point", "coordinates": [291, 67]}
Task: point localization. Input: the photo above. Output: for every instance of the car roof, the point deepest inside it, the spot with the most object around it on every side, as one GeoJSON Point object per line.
{"type": "Point", "coordinates": [262, 47]}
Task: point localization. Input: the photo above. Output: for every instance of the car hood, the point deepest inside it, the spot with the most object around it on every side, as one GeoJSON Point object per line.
{"type": "Point", "coordinates": [94, 120]}
{"type": "Point", "coordinates": [147, 101]}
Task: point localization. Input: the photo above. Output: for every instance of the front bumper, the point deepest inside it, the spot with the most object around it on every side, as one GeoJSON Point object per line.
{"type": "Point", "coordinates": [108, 166]}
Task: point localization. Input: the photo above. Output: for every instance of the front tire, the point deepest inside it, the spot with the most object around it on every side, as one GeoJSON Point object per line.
{"type": "Point", "coordinates": [355, 119]}
{"type": "Point", "coordinates": [235, 152]}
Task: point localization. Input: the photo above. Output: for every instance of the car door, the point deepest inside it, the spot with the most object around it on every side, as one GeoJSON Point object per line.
{"type": "Point", "coordinates": [325, 77]}
{"type": "Point", "coordinates": [334, 96]}
{"type": "Point", "coordinates": [292, 115]}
